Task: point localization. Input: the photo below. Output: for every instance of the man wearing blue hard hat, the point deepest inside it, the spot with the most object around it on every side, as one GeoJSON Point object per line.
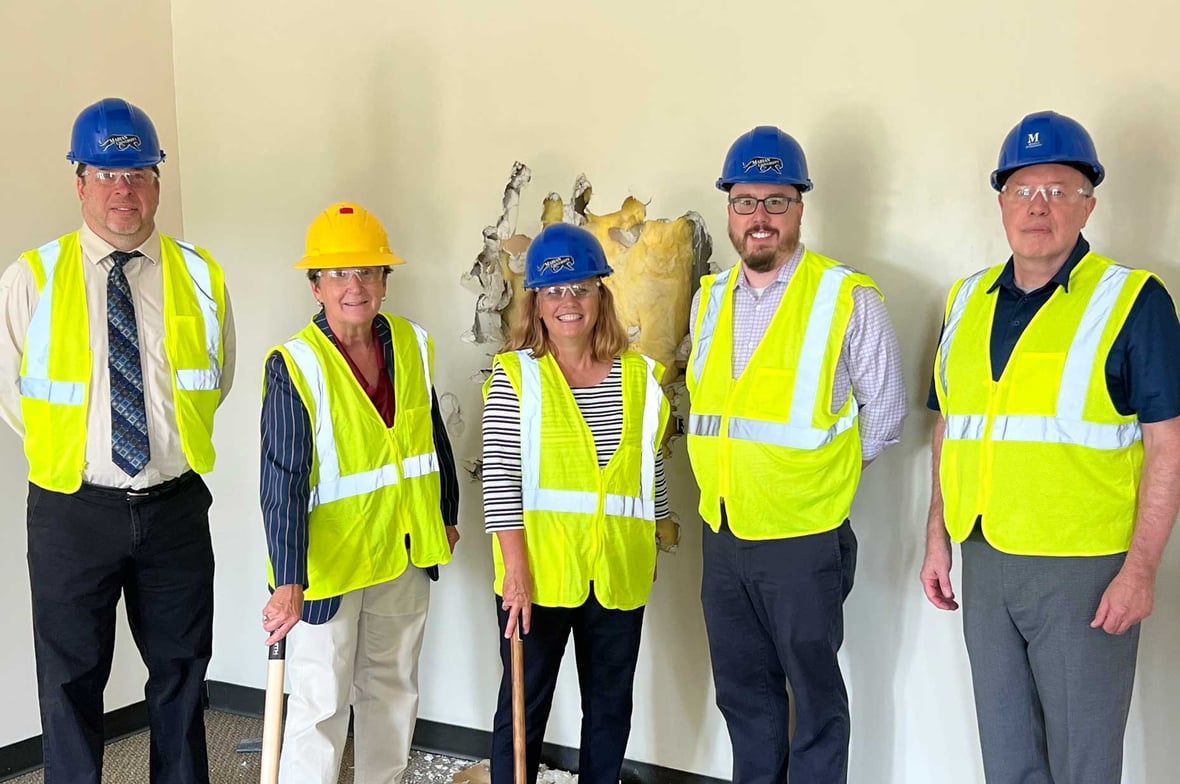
{"type": "Point", "coordinates": [118, 348]}
{"type": "Point", "coordinates": [1057, 383]}
{"type": "Point", "coordinates": [796, 386]}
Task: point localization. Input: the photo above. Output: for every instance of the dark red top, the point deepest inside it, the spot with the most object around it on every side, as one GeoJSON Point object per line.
{"type": "Point", "coordinates": [381, 394]}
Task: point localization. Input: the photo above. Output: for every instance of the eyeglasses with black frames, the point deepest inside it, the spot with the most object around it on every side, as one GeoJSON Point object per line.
{"type": "Point", "coordinates": [775, 205]}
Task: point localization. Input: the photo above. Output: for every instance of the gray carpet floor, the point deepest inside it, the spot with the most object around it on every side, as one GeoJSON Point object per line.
{"type": "Point", "coordinates": [126, 760]}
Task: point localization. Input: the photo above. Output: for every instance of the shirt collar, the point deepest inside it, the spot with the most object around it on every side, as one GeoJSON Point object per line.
{"type": "Point", "coordinates": [321, 320]}
{"type": "Point", "coordinates": [1007, 277]}
{"type": "Point", "coordinates": [96, 250]}
{"type": "Point", "coordinates": [784, 272]}
{"type": "Point", "coordinates": [380, 327]}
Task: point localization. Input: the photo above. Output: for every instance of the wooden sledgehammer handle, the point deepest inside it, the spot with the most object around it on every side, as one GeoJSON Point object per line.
{"type": "Point", "coordinates": [272, 718]}
{"type": "Point", "coordinates": [518, 706]}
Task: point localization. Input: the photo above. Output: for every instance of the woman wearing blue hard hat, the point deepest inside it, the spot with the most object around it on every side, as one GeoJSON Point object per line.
{"type": "Point", "coordinates": [573, 485]}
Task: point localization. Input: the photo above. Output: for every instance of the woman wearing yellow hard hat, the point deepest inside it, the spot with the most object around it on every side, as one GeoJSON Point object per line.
{"type": "Point", "coordinates": [360, 500]}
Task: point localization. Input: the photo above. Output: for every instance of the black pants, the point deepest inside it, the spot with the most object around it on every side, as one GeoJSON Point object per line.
{"type": "Point", "coordinates": [773, 614]}
{"type": "Point", "coordinates": [85, 549]}
{"type": "Point", "coordinates": [606, 646]}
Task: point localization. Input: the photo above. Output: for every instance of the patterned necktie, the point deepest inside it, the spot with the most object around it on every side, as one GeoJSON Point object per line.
{"type": "Point", "coordinates": [129, 438]}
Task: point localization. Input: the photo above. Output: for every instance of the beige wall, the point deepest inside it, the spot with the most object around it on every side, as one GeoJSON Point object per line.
{"type": "Point", "coordinates": [59, 56]}
{"type": "Point", "coordinates": [418, 111]}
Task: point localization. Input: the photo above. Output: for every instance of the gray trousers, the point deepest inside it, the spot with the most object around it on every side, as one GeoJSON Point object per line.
{"type": "Point", "coordinates": [1051, 694]}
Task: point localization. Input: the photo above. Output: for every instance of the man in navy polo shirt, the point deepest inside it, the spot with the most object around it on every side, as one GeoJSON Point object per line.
{"type": "Point", "coordinates": [1057, 382]}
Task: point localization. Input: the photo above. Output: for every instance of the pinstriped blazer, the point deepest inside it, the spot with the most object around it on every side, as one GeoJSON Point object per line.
{"type": "Point", "coordinates": [286, 472]}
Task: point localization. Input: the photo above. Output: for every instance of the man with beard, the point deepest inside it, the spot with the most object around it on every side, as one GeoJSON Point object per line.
{"type": "Point", "coordinates": [796, 386]}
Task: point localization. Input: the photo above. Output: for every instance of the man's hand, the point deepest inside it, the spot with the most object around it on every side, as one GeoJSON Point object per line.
{"type": "Point", "coordinates": [1129, 597]}
{"type": "Point", "coordinates": [936, 575]}
{"type": "Point", "coordinates": [936, 569]}
{"type": "Point", "coordinates": [452, 536]}
{"type": "Point", "coordinates": [1126, 601]}
{"type": "Point", "coordinates": [282, 612]}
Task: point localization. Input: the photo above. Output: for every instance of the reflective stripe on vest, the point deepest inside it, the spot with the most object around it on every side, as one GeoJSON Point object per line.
{"type": "Point", "coordinates": [1050, 430]}
{"type": "Point", "coordinates": [798, 432]}
{"type": "Point", "coordinates": [952, 321]}
{"type": "Point", "coordinates": [696, 362]}
{"type": "Point", "coordinates": [332, 486]}
{"type": "Point", "coordinates": [1068, 426]}
{"type": "Point", "coordinates": [777, 433]}
{"type": "Point", "coordinates": [423, 349]}
{"type": "Point", "coordinates": [35, 382]}
{"type": "Point", "coordinates": [536, 498]}
{"type": "Point", "coordinates": [202, 379]}
{"type": "Point", "coordinates": [653, 395]}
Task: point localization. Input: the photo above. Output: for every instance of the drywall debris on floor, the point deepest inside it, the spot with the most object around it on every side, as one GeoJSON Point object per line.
{"type": "Point", "coordinates": [547, 776]}
{"type": "Point", "coordinates": [479, 773]}
{"type": "Point", "coordinates": [428, 768]}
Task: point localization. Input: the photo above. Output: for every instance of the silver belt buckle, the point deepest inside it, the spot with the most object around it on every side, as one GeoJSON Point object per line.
{"type": "Point", "coordinates": [138, 493]}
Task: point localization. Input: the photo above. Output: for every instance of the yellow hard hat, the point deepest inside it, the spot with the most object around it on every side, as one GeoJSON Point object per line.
{"type": "Point", "coordinates": [347, 235]}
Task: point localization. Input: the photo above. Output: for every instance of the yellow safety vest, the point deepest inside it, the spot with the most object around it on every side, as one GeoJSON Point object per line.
{"type": "Point", "coordinates": [56, 365]}
{"type": "Point", "coordinates": [1041, 454]}
{"type": "Point", "coordinates": [584, 524]}
{"type": "Point", "coordinates": [371, 485]}
{"type": "Point", "coordinates": [767, 444]}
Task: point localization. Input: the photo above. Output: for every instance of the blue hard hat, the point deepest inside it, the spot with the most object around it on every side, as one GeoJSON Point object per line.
{"type": "Point", "coordinates": [562, 253]}
{"type": "Point", "coordinates": [115, 134]}
{"type": "Point", "coordinates": [765, 154]}
{"type": "Point", "coordinates": [1048, 137]}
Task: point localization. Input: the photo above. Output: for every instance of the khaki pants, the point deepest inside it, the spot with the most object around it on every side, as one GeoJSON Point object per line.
{"type": "Point", "coordinates": [366, 656]}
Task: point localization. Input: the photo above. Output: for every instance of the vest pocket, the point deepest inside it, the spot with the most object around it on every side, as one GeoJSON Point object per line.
{"type": "Point", "coordinates": [1038, 376]}
{"type": "Point", "coordinates": [184, 340]}
{"type": "Point", "coordinates": [769, 390]}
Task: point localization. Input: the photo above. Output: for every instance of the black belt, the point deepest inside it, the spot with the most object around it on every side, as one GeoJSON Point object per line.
{"type": "Point", "coordinates": [141, 494]}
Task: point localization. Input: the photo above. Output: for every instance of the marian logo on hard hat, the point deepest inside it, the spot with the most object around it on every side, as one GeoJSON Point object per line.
{"type": "Point", "coordinates": [121, 141]}
{"type": "Point", "coordinates": [764, 164]}
{"type": "Point", "coordinates": [557, 264]}
{"type": "Point", "coordinates": [1033, 140]}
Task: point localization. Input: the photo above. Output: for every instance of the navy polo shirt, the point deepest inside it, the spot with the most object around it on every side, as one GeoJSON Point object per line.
{"type": "Point", "coordinates": [1143, 367]}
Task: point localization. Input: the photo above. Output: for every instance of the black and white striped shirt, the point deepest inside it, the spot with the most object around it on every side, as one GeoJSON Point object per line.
{"type": "Point", "coordinates": [601, 407]}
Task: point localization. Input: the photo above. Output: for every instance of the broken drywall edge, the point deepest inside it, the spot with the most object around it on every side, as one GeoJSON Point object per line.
{"type": "Point", "coordinates": [485, 277]}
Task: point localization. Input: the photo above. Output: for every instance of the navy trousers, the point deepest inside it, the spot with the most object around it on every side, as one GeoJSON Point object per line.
{"type": "Point", "coordinates": [85, 550]}
{"type": "Point", "coordinates": [773, 614]}
{"type": "Point", "coordinates": [606, 647]}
